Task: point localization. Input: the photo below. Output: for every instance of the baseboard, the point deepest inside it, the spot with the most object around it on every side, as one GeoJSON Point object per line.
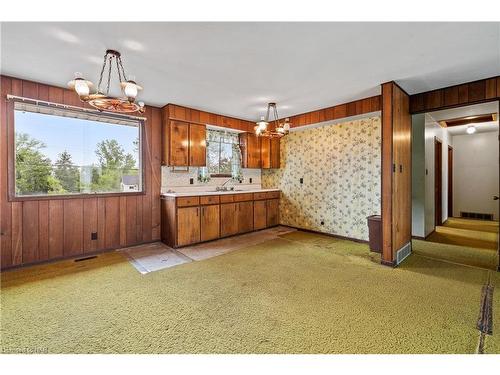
{"type": "Point", "coordinates": [388, 263]}
{"type": "Point", "coordinates": [418, 238]}
{"type": "Point", "coordinates": [326, 234]}
{"type": "Point", "coordinates": [70, 257]}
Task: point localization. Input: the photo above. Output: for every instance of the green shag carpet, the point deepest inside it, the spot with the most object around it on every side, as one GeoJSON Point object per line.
{"type": "Point", "coordinates": [303, 293]}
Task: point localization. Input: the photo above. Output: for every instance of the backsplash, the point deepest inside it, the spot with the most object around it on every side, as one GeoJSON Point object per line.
{"type": "Point", "coordinates": [179, 181]}
{"type": "Point", "coordinates": [340, 167]}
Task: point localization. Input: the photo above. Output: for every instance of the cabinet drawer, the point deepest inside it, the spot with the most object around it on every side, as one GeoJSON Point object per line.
{"type": "Point", "coordinates": [209, 199]}
{"type": "Point", "coordinates": [188, 201]}
{"type": "Point", "coordinates": [259, 196]}
{"type": "Point", "coordinates": [273, 194]}
{"type": "Point", "coordinates": [243, 197]}
{"type": "Point", "coordinates": [228, 198]}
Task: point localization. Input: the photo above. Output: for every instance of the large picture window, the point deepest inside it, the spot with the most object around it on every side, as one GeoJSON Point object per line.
{"type": "Point", "coordinates": [223, 153]}
{"type": "Point", "coordinates": [67, 152]}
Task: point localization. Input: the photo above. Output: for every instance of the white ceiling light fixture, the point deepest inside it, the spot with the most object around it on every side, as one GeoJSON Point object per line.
{"type": "Point", "coordinates": [280, 129]}
{"type": "Point", "coordinates": [471, 129]}
{"type": "Point", "coordinates": [101, 99]}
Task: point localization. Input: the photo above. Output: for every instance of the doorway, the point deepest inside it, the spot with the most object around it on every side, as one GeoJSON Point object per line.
{"type": "Point", "coordinates": [450, 181]}
{"type": "Point", "coordinates": [438, 182]}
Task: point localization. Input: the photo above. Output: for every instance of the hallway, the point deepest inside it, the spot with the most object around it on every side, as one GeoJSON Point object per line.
{"type": "Point", "coordinates": [465, 241]}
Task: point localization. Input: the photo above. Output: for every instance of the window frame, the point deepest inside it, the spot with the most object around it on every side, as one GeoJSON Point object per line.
{"type": "Point", "coordinates": [11, 156]}
{"type": "Point", "coordinates": [215, 175]}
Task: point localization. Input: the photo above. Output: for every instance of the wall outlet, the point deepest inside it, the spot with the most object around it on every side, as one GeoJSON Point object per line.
{"type": "Point", "coordinates": [191, 181]}
{"type": "Point", "coordinates": [93, 236]}
{"type": "Point", "coordinates": [322, 222]}
{"type": "Point", "coordinates": [301, 180]}
{"type": "Point", "coordinates": [250, 179]}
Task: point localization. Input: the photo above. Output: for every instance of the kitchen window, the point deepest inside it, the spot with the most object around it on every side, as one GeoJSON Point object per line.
{"type": "Point", "coordinates": [223, 154]}
{"type": "Point", "coordinates": [63, 152]}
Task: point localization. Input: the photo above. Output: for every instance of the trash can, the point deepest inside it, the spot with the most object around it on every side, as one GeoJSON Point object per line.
{"type": "Point", "coordinates": [375, 233]}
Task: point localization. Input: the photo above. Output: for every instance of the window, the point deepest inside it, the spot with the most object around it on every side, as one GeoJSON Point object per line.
{"type": "Point", "coordinates": [223, 153]}
{"type": "Point", "coordinates": [67, 152]}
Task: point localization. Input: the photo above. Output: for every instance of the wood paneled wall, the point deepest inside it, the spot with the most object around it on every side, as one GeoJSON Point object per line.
{"type": "Point", "coordinates": [33, 231]}
{"type": "Point", "coordinates": [355, 108]}
{"type": "Point", "coordinates": [191, 115]}
{"type": "Point", "coordinates": [396, 171]}
{"type": "Point", "coordinates": [454, 96]}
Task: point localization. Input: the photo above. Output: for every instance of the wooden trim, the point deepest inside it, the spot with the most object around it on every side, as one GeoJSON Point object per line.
{"type": "Point", "coordinates": [475, 92]}
{"type": "Point", "coordinates": [354, 108]}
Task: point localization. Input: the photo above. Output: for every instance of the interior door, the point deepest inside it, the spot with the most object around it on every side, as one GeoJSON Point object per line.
{"type": "Point", "coordinates": [438, 182]}
{"type": "Point", "coordinates": [245, 216]}
{"type": "Point", "coordinates": [197, 145]}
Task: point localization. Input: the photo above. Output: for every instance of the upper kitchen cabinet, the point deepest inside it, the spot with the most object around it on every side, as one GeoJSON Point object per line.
{"type": "Point", "coordinates": [250, 146]}
{"type": "Point", "coordinates": [197, 145]}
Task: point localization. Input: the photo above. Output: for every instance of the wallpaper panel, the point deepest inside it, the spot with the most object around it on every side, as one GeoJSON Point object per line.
{"type": "Point", "coordinates": [340, 165]}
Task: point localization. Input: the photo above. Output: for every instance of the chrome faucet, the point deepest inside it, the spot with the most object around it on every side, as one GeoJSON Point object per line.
{"type": "Point", "coordinates": [223, 187]}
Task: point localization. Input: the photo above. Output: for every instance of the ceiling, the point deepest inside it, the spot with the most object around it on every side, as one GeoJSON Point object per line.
{"type": "Point", "coordinates": [471, 110]}
{"type": "Point", "coordinates": [236, 68]}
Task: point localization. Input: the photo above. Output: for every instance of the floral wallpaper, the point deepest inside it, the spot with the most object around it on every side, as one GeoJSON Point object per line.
{"type": "Point", "coordinates": [340, 166]}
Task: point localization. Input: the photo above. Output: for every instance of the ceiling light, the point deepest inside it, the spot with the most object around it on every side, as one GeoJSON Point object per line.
{"type": "Point", "coordinates": [471, 129]}
{"type": "Point", "coordinates": [101, 98]}
{"type": "Point", "coordinates": [280, 130]}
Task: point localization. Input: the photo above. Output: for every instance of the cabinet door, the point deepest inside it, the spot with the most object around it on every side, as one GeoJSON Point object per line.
{"type": "Point", "coordinates": [197, 145]}
{"type": "Point", "coordinates": [188, 225]}
{"type": "Point", "coordinates": [228, 221]}
{"type": "Point", "coordinates": [254, 160]}
{"type": "Point", "coordinates": [245, 216]}
{"type": "Point", "coordinates": [275, 153]}
{"type": "Point", "coordinates": [265, 152]}
{"type": "Point", "coordinates": [179, 144]}
{"type": "Point", "coordinates": [210, 222]}
{"type": "Point", "coordinates": [259, 215]}
{"type": "Point", "coordinates": [272, 212]}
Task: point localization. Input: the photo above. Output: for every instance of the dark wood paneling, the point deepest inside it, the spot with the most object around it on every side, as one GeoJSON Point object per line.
{"type": "Point", "coordinates": [36, 230]}
{"type": "Point", "coordinates": [452, 96]}
{"type": "Point", "coordinates": [73, 227]}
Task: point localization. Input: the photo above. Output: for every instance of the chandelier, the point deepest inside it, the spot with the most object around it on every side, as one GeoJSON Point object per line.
{"type": "Point", "coordinates": [101, 99]}
{"type": "Point", "coordinates": [281, 129]}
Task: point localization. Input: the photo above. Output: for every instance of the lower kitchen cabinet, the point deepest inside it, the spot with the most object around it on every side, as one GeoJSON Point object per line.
{"type": "Point", "coordinates": [187, 220]}
{"type": "Point", "coordinates": [228, 221]}
{"type": "Point", "coordinates": [244, 213]}
{"type": "Point", "coordinates": [272, 215]}
{"type": "Point", "coordinates": [210, 217]}
{"type": "Point", "coordinates": [188, 225]}
{"type": "Point", "coordinates": [259, 215]}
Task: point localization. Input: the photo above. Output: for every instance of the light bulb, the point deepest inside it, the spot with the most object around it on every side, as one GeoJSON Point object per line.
{"type": "Point", "coordinates": [471, 129]}
{"type": "Point", "coordinates": [81, 87]}
{"type": "Point", "coordinates": [130, 90]}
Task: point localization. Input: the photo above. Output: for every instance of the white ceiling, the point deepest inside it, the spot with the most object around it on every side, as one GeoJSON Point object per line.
{"type": "Point", "coordinates": [471, 110]}
{"type": "Point", "coordinates": [236, 68]}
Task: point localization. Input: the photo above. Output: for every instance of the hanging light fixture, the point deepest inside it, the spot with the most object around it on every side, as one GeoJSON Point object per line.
{"type": "Point", "coordinates": [101, 99]}
{"type": "Point", "coordinates": [281, 129]}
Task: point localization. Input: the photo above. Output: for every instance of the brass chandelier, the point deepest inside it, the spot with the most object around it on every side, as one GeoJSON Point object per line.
{"type": "Point", "coordinates": [101, 99]}
{"type": "Point", "coordinates": [280, 129]}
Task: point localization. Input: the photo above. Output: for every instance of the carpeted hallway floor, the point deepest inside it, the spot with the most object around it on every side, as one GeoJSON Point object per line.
{"type": "Point", "coordinates": [300, 293]}
{"type": "Point", "coordinates": [464, 241]}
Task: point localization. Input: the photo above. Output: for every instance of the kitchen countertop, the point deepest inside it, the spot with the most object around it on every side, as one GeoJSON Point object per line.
{"type": "Point", "coordinates": [203, 193]}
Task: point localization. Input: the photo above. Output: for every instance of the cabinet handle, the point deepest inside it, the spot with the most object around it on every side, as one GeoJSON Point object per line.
{"type": "Point", "coordinates": [197, 212]}
{"type": "Point", "coordinates": [400, 168]}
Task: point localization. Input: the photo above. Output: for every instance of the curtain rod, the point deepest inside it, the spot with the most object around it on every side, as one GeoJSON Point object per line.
{"type": "Point", "coordinates": [74, 108]}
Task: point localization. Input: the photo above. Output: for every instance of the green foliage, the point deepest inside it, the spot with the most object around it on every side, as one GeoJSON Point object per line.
{"type": "Point", "coordinates": [67, 173]}
{"type": "Point", "coordinates": [33, 168]}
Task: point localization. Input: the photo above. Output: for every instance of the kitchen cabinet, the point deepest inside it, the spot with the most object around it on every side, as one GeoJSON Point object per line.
{"type": "Point", "coordinates": [250, 150]}
{"type": "Point", "coordinates": [197, 145]}
{"type": "Point", "coordinates": [275, 153]}
{"type": "Point", "coordinates": [178, 144]}
{"type": "Point", "coordinates": [210, 217]}
{"type": "Point", "coordinates": [244, 213]}
{"type": "Point", "coordinates": [187, 220]}
{"type": "Point", "coordinates": [188, 225]}
{"type": "Point", "coordinates": [228, 222]}
{"type": "Point", "coordinates": [265, 152]}
{"type": "Point", "coordinates": [272, 214]}
{"type": "Point", "coordinates": [259, 215]}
